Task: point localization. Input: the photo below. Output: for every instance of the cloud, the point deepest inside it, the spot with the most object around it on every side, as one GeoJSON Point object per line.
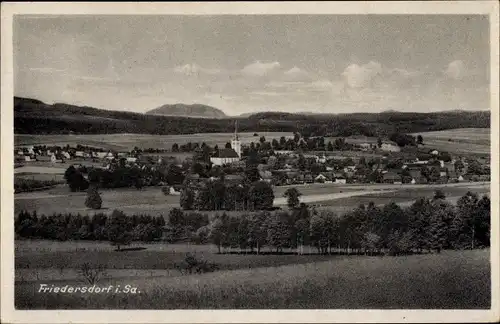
{"type": "Point", "coordinates": [456, 70]}
{"type": "Point", "coordinates": [296, 73]}
{"type": "Point", "coordinates": [194, 69]}
{"type": "Point", "coordinates": [259, 69]}
{"type": "Point", "coordinates": [359, 76]}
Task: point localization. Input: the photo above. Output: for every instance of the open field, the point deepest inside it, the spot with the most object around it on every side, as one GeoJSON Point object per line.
{"type": "Point", "coordinates": [450, 280]}
{"type": "Point", "coordinates": [126, 142]}
{"type": "Point", "coordinates": [462, 140]}
{"type": "Point", "coordinates": [152, 201]}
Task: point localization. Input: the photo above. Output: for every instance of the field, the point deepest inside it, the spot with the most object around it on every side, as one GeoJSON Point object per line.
{"type": "Point", "coordinates": [126, 142]}
{"type": "Point", "coordinates": [450, 280]}
{"type": "Point", "coordinates": [152, 201]}
{"type": "Point", "coordinates": [461, 140]}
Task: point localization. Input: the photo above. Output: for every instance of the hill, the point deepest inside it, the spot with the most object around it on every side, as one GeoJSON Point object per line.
{"type": "Point", "coordinates": [35, 117]}
{"type": "Point", "coordinates": [195, 110]}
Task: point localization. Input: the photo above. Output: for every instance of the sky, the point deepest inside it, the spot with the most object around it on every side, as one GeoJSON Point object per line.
{"type": "Point", "coordinates": [250, 63]}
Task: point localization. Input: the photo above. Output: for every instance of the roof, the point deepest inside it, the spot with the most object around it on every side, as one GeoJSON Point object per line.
{"type": "Point", "coordinates": [392, 176]}
{"type": "Point", "coordinates": [226, 153]}
{"type": "Point", "coordinates": [415, 173]}
{"type": "Point", "coordinates": [233, 177]}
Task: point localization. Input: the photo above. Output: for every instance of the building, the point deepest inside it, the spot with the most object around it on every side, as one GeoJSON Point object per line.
{"type": "Point", "coordinates": [391, 177]}
{"type": "Point", "coordinates": [229, 155]}
{"type": "Point", "coordinates": [389, 147]}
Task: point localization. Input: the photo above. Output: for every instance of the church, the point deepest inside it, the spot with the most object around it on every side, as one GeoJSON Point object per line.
{"type": "Point", "coordinates": [229, 155]}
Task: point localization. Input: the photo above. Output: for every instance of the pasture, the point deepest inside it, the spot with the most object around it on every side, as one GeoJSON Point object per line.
{"type": "Point", "coordinates": [126, 142]}
{"type": "Point", "coordinates": [450, 280]}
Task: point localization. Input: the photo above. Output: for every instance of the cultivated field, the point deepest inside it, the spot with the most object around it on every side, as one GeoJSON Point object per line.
{"type": "Point", "coordinates": [462, 140]}
{"type": "Point", "coordinates": [126, 142]}
{"type": "Point", "coordinates": [450, 280]}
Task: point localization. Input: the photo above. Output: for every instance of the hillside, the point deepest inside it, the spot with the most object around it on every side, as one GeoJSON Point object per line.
{"type": "Point", "coordinates": [35, 117]}
{"type": "Point", "coordinates": [194, 110]}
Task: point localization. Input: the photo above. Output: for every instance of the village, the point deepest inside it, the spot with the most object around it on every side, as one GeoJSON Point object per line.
{"type": "Point", "coordinates": [273, 162]}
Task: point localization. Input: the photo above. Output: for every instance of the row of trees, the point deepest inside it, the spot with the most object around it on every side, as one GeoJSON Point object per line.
{"type": "Point", "coordinates": [118, 228]}
{"type": "Point", "coordinates": [426, 225]}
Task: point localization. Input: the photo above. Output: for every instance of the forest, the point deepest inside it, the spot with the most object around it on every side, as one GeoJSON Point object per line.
{"type": "Point", "coordinates": [35, 117]}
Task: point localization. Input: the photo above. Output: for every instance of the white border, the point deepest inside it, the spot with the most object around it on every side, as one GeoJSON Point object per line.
{"type": "Point", "coordinates": [9, 315]}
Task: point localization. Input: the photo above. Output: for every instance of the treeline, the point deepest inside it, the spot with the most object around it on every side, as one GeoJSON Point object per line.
{"type": "Point", "coordinates": [117, 228]}
{"type": "Point", "coordinates": [427, 225]}
{"type": "Point", "coordinates": [29, 185]}
{"type": "Point", "coordinates": [35, 117]}
{"type": "Point", "coordinates": [121, 176]}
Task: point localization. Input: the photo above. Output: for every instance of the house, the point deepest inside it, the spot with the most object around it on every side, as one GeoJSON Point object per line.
{"type": "Point", "coordinates": [100, 155]}
{"type": "Point", "coordinates": [452, 176]}
{"type": "Point", "coordinates": [20, 152]}
{"type": "Point", "coordinates": [43, 158]}
{"type": "Point", "coordinates": [233, 179]}
{"type": "Point", "coordinates": [308, 178]}
{"type": "Point", "coordinates": [389, 147]}
{"type": "Point", "coordinates": [434, 152]}
{"type": "Point", "coordinates": [79, 153]}
{"type": "Point", "coordinates": [27, 158]}
{"type": "Point", "coordinates": [391, 177]}
{"type": "Point", "coordinates": [321, 178]}
{"type": "Point", "coordinates": [122, 154]}
{"type": "Point", "coordinates": [131, 159]}
{"type": "Point", "coordinates": [365, 146]}
{"type": "Point", "coordinates": [321, 159]}
{"type": "Point", "coordinates": [225, 156]}
{"type": "Point", "coordinates": [66, 155]}
{"type": "Point", "coordinates": [416, 176]}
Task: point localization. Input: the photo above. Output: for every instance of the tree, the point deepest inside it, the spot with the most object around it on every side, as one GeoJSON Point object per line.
{"type": "Point", "coordinates": [116, 229]}
{"type": "Point", "coordinates": [75, 179]}
{"type": "Point", "coordinates": [439, 194]}
{"type": "Point", "coordinates": [262, 140]}
{"type": "Point", "coordinates": [228, 145]}
{"type": "Point", "coordinates": [93, 200]}
{"type": "Point", "coordinates": [329, 146]}
{"type": "Point", "coordinates": [187, 199]}
{"type": "Point", "coordinates": [292, 195]}
{"type": "Point", "coordinates": [279, 230]}
{"type": "Point", "coordinates": [379, 142]}
{"type": "Point", "coordinates": [261, 195]}
{"type": "Point", "coordinates": [218, 231]}
{"type": "Point", "coordinates": [175, 147]}
{"type": "Point", "coordinates": [257, 230]}
{"type": "Point", "coordinates": [420, 140]}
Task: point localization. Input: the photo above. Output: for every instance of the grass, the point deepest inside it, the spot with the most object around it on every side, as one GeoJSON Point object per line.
{"type": "Point", "coordinates": [450, 280]}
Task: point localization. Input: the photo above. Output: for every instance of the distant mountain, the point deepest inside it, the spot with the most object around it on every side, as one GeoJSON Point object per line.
{"type": "Point", "coordinates": [195, 110]}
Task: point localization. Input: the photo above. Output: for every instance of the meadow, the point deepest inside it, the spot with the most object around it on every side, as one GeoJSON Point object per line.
{"type": "Point", "coordinates": [450, 280]}
{"type": "Point", "coordinates": [151, 200]}
{"type": "Point", "coordinates": [126, 142]}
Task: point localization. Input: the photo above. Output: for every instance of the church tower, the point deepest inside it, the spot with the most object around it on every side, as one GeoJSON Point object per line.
{"type": "Point", "coordinates": [236, 143]}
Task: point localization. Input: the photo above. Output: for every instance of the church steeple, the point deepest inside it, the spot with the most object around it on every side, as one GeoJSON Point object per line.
{"type": "Point", "coordinates": [235, 143]}
{"type": "Point", "coordinates": [236, 130]}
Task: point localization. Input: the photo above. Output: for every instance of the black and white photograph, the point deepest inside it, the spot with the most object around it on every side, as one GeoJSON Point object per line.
{"type": "Point", "coordinates": [279, 160]}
